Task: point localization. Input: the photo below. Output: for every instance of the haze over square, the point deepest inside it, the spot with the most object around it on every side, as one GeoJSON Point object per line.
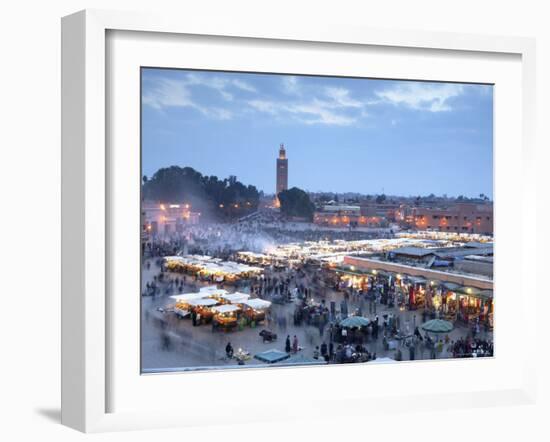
{"type": "Point", "coordinates": [341, 134]}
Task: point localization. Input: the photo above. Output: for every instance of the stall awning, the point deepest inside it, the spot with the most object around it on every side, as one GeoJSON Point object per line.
{"type": "Point", "coordinates": [226, 308]}
{"type": "Point", "coordinates": [236, 298]}
{"type": "Point", "coordinates": [355, 321]}
{"type": "Point", "coordinates": [485, 294]}
{"type": "Point", "coordinates": [417, 279]}
{"type": "Point", "coordinates": [451, 286]}
{"type": "Point", "coordinates": [470, 291]}
{"type": "Point", "coordinates": [257, 303]}
{"type": "Point", "coordinates": [206, 302]}
{"type": "Point", "coordinates": [187, 297]}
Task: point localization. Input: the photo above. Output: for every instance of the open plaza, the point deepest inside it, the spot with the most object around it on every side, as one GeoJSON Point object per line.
{"type": "Point", "coordinates": [359, 242]}
{"type": "Point", "coordinates": [393, 297]}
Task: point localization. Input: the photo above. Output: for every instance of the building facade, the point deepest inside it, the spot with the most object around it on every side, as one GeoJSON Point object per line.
{"type": "Point", "coordinates": [346, 216]}
{"type": "Point", "coordinates": [165, 218]}
{"type": "Point", "coordinates": [459, 218]}
{"type": "Point", "coordinates": [282, 170]}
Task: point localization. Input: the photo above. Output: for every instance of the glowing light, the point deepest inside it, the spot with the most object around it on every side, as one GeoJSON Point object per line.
{"type": "Point", "coordinates": [162, 207]}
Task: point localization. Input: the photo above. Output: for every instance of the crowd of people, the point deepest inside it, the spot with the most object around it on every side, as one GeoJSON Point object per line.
{"type": "Point", "coordinates": [318, 301]}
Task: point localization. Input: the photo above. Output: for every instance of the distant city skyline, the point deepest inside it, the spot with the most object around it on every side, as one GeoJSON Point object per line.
{"type": "Point", "coordinates": [341, 135]}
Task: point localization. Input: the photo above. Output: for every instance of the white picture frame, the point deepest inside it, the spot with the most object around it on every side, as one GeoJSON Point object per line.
{"type": "Point", "coordinates": [86, 315]}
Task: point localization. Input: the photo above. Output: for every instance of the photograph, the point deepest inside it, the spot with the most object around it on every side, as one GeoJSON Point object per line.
{"type": "Point", "coordinates": [303, 220]}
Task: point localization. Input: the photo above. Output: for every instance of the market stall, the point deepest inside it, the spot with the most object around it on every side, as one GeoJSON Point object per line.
{"type": "Point", "coordinates": [449, 300]}
{"type": "Point", "coordinates": [225, 317]}
{"type": "Point", "coordinates": [475, 305]}
{"type": "Point", "coordinates": [486, 314]}
{"type": "Point", "coordinates": [418, 285]}
{"type": "Point", "coordinates": [234, 298]}
{"type": "Point", "coordinates": [466, 304]}
{"type": "Point", "coordinates": [182, 307]}
{"type": "Point", "coordinates": [201, 309]}
{"type": "Point", "coordinates": [255, 309]}
{"type": "Point", "coordinates": [352, 329]}
{"type": "Point", "coordinates": [210, 269]}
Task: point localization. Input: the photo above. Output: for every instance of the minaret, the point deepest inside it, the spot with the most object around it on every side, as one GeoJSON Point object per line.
{"type": "Point", "coordinates": [282, 170]}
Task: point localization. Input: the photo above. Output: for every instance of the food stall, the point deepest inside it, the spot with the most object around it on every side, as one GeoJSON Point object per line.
{"type": "Point", "coordinates": [434, 299]}
{"type": "Point", "coordinates": [417, 292]}
{"type": "Point", "coordinates": [466, 303]}
{"type": "Point", "coordinates": [225, 316]}
{"type": "Point", "coordinates": [234, 298]}
{"type": "Point", "coordinates": [475, 304]}
{"type": "Point", "coordinates": [449, 300]}
{"type": "Point", "coordinates": [203, 307]}
{"type": "Point", "coordinates": [182, 307]}
{"type": "Point", "coordinates": [210, 269]}
{"type": "Point", "coordinates": [486, 315]}
{"type": "Point", "coordinates": [255, 309]}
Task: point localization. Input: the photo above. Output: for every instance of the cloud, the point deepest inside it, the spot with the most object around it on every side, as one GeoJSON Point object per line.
{"type": "Point", "coordinates": [327, 105]}
{"type": "Point", "coordinates": [311, 112]}
{"type": "Point", "coordinates": [422, 96]}
{"type": "Point", "coordinates": [341, 98]}
{"type": "Point", "coordinates": [307, 104]}
{"type": "Point", "coordinates": [167, 93]}
{"type": "Point", "coordinates": [243, 85]}
{"type": "Point", "coordinates": [164, 93]}
{"type": "Point", "coordinates": [291, 85]}
{"type": "Point", "coordinates": [266, 106]}
{"type": "Point", "coordinates": [219, 84]}
{"type": "Point", "coordinates": [317, 113]}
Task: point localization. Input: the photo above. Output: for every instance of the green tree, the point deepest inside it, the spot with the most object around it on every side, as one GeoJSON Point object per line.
{"type": "Point", "coordinates": [296, 202]}
{"type": "Point", "coordinates": [380, 198]}
{"type": "Point", "coordinates": [205, 193]}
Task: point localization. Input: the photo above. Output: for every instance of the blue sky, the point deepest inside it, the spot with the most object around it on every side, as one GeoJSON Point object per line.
{"type": "Point", "coordinates": [341, 134]}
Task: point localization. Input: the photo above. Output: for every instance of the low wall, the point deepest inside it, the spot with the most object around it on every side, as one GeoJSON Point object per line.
{"type": "Point", "coordinates": [464, 280]}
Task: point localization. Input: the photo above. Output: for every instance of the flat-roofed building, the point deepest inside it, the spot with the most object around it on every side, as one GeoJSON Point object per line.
{"type": "Point", "coordinates": [345, 215]}
{"type": "Point", "coordinates": [167, 218]}
{"type": "Point", "coordinates": [458, 218]}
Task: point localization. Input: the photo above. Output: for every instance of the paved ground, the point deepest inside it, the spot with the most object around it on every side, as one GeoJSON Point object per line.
{"type": "Point", "coordinates": [193, 347]}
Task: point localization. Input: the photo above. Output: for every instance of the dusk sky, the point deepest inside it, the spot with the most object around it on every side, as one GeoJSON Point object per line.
{"type": "Point", "coordinates": [341, 134]}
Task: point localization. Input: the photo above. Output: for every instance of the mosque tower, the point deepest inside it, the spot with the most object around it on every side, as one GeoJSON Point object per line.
{"type": "Point", "coordinates": [282, 170]}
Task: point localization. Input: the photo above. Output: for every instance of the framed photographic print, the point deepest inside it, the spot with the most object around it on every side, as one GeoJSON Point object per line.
{"type": "Point", "coordinates": [250, 211]}
{"type": "Point", "coordinates": [255, 257]}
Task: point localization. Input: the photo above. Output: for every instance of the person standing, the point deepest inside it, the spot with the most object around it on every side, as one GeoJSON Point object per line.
{"type": "Point", "coordinates": [411, 352]}
{"type": "Point", "coordinates": [295, 344]}
{"type": "Point", "coordinates": [287, 344]}
{"type": "Point", "coordinates": [324, 349]}
{"type": "Point", "coordinates": [229, 350]}
{"type": "Point", "coordinates": [316, 352]}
